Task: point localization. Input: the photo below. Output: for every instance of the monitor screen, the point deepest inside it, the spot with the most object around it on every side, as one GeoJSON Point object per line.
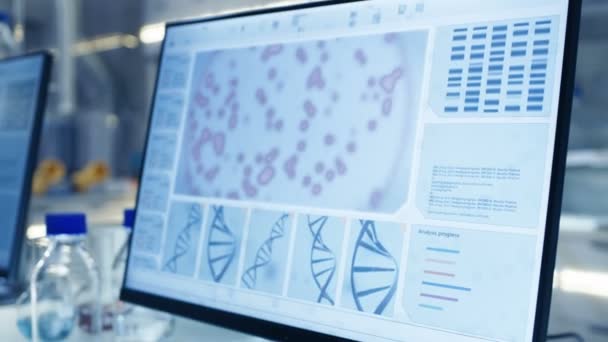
{"type": "Point", "coordinates": [22, 87]}
{"type": "Point", "coordinates": [371, 170]}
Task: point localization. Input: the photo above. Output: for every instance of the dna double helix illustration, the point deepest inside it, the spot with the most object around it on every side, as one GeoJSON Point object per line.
{"type": "Point", "coordinates": [263, 255]}
{"type": "Point", "coordinates": [322, 260]}
{"type": "Point", "coordinates": [183, 241]}
{"type": "Point", "coordinates": [374, 271]}
{"type": "Point", "coordinates": [221, 245]}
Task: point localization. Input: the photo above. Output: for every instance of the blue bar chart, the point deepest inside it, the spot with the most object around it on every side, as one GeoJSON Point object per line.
{"type": "Point", "coordinates": [502, 69]}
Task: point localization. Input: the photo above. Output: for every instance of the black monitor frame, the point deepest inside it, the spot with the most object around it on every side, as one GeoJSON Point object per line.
{"type": "Point", "coordinates": [11, 273]}
{"type": "Point", "coordinates": [277, 331]}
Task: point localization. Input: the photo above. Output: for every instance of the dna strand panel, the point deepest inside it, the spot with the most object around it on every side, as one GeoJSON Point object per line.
{"type": "Point", "coordinates": [316, 258]}
{"type": "Point", "coordinates": [222, 244]}
{"type": "Point", "coordinates": [267, 251]}
{"type": "Point", "coordinates": [183, 232]}
{"type": "Point", "coordinates": [372, 274]}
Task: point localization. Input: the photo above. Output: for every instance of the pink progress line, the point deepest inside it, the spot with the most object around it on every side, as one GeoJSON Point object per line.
{"type": "Point", "coordinates": [439, 273]}
{"type": "Point", "coordinates": [450, 299]}
{"type": "Point", "coordinates": [440, 261]}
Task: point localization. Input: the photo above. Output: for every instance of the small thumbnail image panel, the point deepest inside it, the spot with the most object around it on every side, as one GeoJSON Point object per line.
{"type": "Point", "coordinates": [321, 123]}
{"type": "Point", "coordinates": [222, 244]}
{"type": "Point", "coordinates": [267, 251]}
{"type": "Point", "coordinates": [372, 270]}
{"type": "Point", "coordinates": [183, 231]}
{"type": "Point", "coordinates": [147, 234]}
{"type": "Point", "coordinates": [316, 258]}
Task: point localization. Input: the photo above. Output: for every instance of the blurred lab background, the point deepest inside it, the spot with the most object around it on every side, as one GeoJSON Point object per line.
{"type": "Point", "coordinates": [106, 55]}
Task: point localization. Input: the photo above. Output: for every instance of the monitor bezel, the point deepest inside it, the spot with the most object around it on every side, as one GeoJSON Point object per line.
{"type": "Point", "coordinates": [278, 331]}
{"type": "Point", "coordinates": [11, 273]}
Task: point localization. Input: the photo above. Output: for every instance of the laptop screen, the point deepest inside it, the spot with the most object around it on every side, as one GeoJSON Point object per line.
{"type": "Point", "coordinates": [21, 86]}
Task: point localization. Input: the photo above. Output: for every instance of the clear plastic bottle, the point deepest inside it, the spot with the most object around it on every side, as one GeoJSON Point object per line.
{"type": "Point", "coordinates": [64, 286]}
{"type": "Point", "coordinates": [131, 322]}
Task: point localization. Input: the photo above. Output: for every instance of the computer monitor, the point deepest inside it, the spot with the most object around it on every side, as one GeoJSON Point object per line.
{"type": "Point", "coordinates": [376, 170]}
{"type": "Point", "coordinates": [23, 87]}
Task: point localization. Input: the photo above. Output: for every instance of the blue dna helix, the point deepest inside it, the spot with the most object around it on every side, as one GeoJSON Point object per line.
{"type": "Point", "coordinates": [183, 242]}
{"type": "Point", "coordinates": [322, 259]}
{"type": "Point", "coordinates": [374, 271]}
{"type": "Point", "coordinates": [264, 254]}
{"type": "Point", "coordinates": [221, 245]}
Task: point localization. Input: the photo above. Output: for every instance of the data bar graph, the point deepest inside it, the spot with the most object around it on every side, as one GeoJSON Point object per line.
{"type": "Point", "coordinates": [499, 69]}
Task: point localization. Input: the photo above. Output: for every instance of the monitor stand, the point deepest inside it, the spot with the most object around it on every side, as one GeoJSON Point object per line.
{"type": "Point", "coordinates": [9, 292]}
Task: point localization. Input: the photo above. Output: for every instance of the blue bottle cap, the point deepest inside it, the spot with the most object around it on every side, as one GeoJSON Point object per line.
{"type": "Point", "coordinates": [66, 223]}
{"type": "Point", "coordinates": [5, 18]}
{"type": "Point", "coordinates": [128, 220]}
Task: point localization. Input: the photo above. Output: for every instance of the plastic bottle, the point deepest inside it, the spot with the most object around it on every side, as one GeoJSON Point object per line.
{"type": "Point", "coordinates": [64, 287]}
{"type": "Point", "coordinates": [8, 46]}
{"type": "Point", "coordinates": [131, 322]}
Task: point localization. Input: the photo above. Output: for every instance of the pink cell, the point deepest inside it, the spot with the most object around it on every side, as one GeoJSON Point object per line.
{"type": "Point", "coordinates": [375, 198]}
{"type": "Point", "coordinates": [230, 97]}
{"type": "Point", "coordinates": [205, 135]}
{"type": "Point", "coordinates": [390, 37]}
{"type": "Point", "coordinates": [219, 141]}
{"type": "Point", "coordinates": [301, 55]}
{"type": "Point", "coordinates": [360, 57]}
{"type": "Point", "coordinates": [372, 125]}
{"type": "Point", "coordinates": [324, 57]}
{"type": "Point", "coordinates": [310, 108]}
{"type": "Point", "coordinates": [271, 51]}
{"type": "Point", "coordinates": [272, 155]}
{"type": "Point", "coordinates": [232, 121]}
{"type": "Point", "coordinates": [301, 146]}
{"type": "Point", "coordinates": [250, 190]}
{"type": "Point", "coordinates": [315, 79]}
{"type": "Point", "coordinates": [270, 113]}
{"type": "Point", "coordinates": [240, 158]}
{"type": "Point", "coordinates": [351, 147]}
{"type": "Point", "coordinates": [247, 171]}
{"type": "Point", "coordinates": [388, 82]}
{"type": "Point", "coordinates": [340, 166]}
{"type": "Point", "coordinates": [316, 189]}
{"type": "Point", "coordinates": [272, 74]}
{"type": "Point", "coordinates": [304, 125]}
{"type": "Point", "coordinates": [212, 173]}
{"type": "Point", "coordinates": [330, 175]}
{"type": "Point", "coordinates": [387, 105]}
{"type": "Point", "coordinates": [371, 82]}
{"type": "Point", "coordinates": [233, 195]}
{"type": "Point", "coordinates": [306, 181]}
{"type": "Point", "coordinates": [266, 175]}
{"type": "Point", "coordinates": [278, 126]}
{"type": "Point", "coordinates": [234, 108]}
{"type": "Point", "coordinates": [319, 167]}
{"type": "Point", "coordinates": [234, 82]}
{"type": "Point", "coordinates": [209, 81]}
{"type": "Point", "coordinates": [290, 166]}
{"type": "Point", "coordinates": [260, 95]}
{"type": "Point", "coordinates": [335, 96]}
{"type": "Point", "coordinates": [329, 139]}
{"type": "Point", "coordinates": [201, 100]}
